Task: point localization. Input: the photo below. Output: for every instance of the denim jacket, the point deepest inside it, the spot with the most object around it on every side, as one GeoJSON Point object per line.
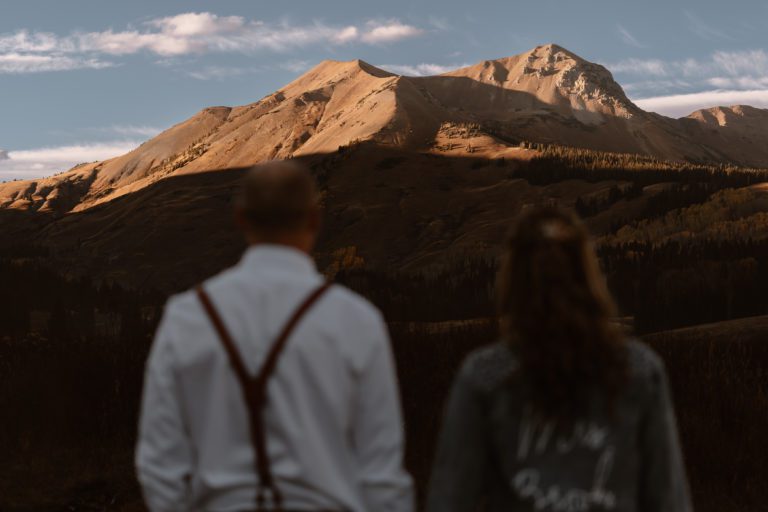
{"type": "Point", "coordinates": [495, 451]}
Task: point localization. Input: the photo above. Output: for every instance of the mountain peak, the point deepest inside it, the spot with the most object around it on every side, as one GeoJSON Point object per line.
{"type": "Point", "coordinates": [553, 49]}
{"type": "Point", "coordinates": [557, 77]}
{"type": "Point", "coordinates": [340, 67]}
{"type": "Point", "coordinates": [328, 72]}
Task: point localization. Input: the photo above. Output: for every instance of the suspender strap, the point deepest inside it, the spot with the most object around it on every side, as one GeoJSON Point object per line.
{"type": "Point", "coordinates": [224, 336]}
{"type": "Point", "coordinates": [255, 388]}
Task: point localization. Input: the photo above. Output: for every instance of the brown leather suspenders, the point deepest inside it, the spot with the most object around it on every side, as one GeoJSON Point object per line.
{"type": "Point", "coordinates": [255, 388]}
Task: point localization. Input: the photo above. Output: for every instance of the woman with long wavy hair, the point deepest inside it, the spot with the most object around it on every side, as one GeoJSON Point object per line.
{"type": "Point", "coordinates": [566, 413]}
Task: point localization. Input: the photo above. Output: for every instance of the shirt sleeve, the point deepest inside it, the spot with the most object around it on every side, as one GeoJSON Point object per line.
{"type": "Point", "coordinates": [378, 431]}
{"type": "Point", "coordinates": [461, 465]}
{"type": "Point", "coordinates": [163, 453]}
{"type": "Point", "coordinates": [663, 484]}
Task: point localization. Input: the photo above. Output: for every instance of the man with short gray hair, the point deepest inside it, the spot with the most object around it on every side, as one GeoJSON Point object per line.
{"type": "Point", "coordinates": [267, 388]}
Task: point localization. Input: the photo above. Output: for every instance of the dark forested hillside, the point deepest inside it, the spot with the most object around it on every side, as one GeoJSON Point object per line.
{"type": "Point", "coordinates": [418, 234]}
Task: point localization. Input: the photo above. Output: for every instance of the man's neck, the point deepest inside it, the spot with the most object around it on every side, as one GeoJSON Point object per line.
{"type": "Point", "coordinates": [297, 243]}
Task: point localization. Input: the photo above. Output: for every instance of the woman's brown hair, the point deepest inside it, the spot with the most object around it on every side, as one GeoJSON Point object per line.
{"type": "Point", "coordinates": [558, 315]}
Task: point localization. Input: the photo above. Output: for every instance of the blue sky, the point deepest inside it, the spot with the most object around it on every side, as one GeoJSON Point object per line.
{"type": "Point", "coordinates": [82, 80]}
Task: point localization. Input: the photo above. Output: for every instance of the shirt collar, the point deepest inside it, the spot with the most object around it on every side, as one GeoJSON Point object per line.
{"type": "Point", "coordinates": [281, 257]}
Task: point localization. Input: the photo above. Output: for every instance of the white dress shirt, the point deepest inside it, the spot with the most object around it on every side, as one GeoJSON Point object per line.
{"type": "Point", "coordinates": [333, 418]}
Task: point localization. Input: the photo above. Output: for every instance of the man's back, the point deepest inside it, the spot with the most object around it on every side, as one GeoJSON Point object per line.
{"type": "Point", "coordinates": [333, 423]}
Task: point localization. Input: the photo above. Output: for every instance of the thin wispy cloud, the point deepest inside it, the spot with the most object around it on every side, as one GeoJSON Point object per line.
{"type": "Point", "coordinates": [705, 30]}
{"type": "Point", "coordinates": [17, 63]}
{"type": "Point", "coordinates": [677, 87]}
{"type": "Point", "coordinates": [656, 86]}
{"type": "Point", "coordinates": [738, 82]}
{"type": "Point", "coordinates": [655, 67]}
{"type": "Point", "coordinates": [295, 66]}
{"type": "Point", "coordinates": [220, 73]}
{"type": "Point", "coordinates": [185, 34]}
{"type": "Point", "coordinates": [134, 131]}
{"type": "Point", "coordinates": [736, 63]}
{"type": "Point", "coordinates": [628, 38]}
{"type": "Point", "coordinates": [730, 69]}
{"type": "Point", "coordinates": [440, 23]}
{"type": "Point", "coordinates": [423, 69]}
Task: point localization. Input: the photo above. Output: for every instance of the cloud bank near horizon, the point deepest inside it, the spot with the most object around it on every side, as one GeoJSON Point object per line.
{"type": "Point", "coordinates": [680, 105]}
{"type": "Point", "coordinates": [42, 162]}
